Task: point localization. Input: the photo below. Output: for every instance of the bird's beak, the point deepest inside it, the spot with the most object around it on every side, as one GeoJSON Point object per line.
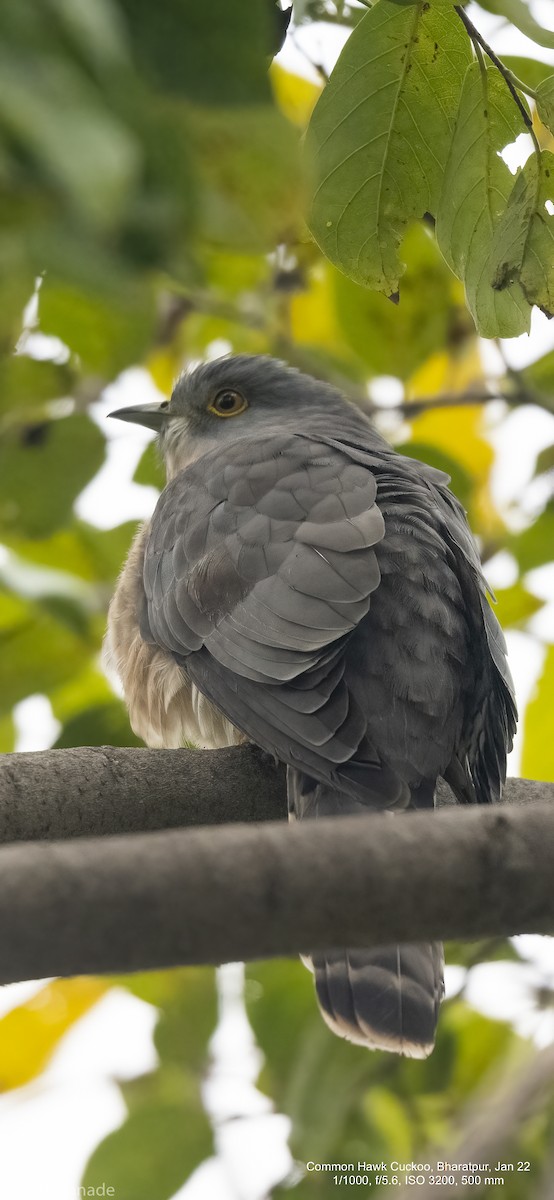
{"type": "Point", "coordinates": [152, 415]}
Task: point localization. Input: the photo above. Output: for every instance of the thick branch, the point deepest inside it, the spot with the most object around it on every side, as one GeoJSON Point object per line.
{"type": "Point", "coordinates": [92, 791]}
{"type": "Point", "coordinates": [216, 895]}
{"type": "Point", "coordinates": [97, 790]}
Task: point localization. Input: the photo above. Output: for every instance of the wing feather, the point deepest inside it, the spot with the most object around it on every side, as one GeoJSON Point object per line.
{"type": "Point", "coordinates": [264, 568]}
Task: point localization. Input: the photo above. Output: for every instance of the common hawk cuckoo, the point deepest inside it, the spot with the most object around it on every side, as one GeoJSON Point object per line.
{"type": "Point", "coordinates": [303, 586]}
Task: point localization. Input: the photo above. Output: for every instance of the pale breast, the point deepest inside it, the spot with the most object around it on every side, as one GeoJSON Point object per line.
{"type": "Point", "coordinates": [165, 709]}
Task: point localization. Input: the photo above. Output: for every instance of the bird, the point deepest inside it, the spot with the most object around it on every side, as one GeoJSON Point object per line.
{"type": "Point", "coordinates": [304, 587]}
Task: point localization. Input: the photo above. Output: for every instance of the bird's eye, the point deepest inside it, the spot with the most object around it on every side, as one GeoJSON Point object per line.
{"type": "Point", "coordinates": [228, 403]}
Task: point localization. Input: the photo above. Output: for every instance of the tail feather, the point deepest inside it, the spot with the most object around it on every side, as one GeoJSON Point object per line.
{"type": "Point", "coordinates": [385, 999]}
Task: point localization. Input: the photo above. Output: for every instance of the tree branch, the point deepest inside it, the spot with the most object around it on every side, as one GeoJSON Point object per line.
{"type": "Point", "coordinates": [92, 791]}
{"type": "Point", "coordinates": [146, 900]}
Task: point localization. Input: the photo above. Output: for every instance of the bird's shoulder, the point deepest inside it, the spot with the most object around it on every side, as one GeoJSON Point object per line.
{"type": "Point", "coordinates": [272, 485]}
{"type": "Point", "coordinates": [276, 538]}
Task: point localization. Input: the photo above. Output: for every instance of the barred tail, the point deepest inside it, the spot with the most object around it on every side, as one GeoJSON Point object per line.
{"type": "Point", "coordinates": [385, 999]}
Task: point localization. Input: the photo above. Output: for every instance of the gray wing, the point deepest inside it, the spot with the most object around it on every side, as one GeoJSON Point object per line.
{"type": "Point", "coordinates": [477, 771]}
{"type": "Point", "coordinates": [259, 565]}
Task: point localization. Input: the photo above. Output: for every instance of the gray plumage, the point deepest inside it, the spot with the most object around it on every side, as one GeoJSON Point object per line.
{"type": "Point", "coordinates": [303, 584]}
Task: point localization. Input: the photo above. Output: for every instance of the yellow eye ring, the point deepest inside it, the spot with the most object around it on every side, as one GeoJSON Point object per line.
{"type": "Point", "coordinates": [228, 403]}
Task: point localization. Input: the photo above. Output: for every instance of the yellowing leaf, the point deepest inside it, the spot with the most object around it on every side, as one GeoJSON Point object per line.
{"type": "Point", "coordinates": [30, 1033]}
{"type": "Point", "coordinates": [543, 135]}
{"type": "Point", "coordinates": [295, 96]}
{"type": "Point", "coordinates": [7, 734]}
{"type": "Point", "coordinates": [164, 366]}
{"type": "Point", "coordinates": [444, 372]}
{"type": "Point", "coordinates": [312, 313]}
{"type": "Point", "coordinates": [537, 760]}
{"type": "Point", "coordinates": [515, 605]}
{"type": "Point", "coordinates": [458, 432]}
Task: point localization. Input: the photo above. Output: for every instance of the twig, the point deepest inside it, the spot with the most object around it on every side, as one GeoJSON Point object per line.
{"type": "Point", "coordinates": [412, 408]}
{"type": "Point", "coordinates": [511, 82]}
{"type": "Point", "coordinates": [316, 66]}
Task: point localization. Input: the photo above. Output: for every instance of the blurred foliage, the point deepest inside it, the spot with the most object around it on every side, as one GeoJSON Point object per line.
{"type": "Point", "coordinates": [346, 1106]}
{"type": "Point", "coordinates": [166, 1134]}
{"type": "Point", "coordinates": [30, 1033]}
{"type": "Point", "coordinates": [153, 198]}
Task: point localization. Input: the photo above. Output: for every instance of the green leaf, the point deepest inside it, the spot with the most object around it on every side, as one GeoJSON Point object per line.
{"type": "Point", "coordinates": [188, 1019]}
{"type": "Point", "coordinates": [389, 1118]}
{"type": "Point", "coordinates": [517, 11]}
{"type": "Point", "coordinates": [212, 54]}
{"type": "Point", "coordinates": [153, 1153]}
{"type": "Point", "coordinates": [529, 70]}
{"type": "Point", "coordinates": [37, 652]}
{"type": "Point", "coordinates": [94, 30]}
{"type": "Point", "coordinates": [95, 172]}
{"type": "Point", "coordinates": [533, 547]}
{"type": "Point", "coordinates": [380, 134]}
{"type": "Point", "coordinates": [7, 734]}
{"type": "Point", "coordinates": [167, 1134]}
{"type": "Point", "coordinates": [160, 988]}
{"type": "Point", "coordinates": [248, 167]}
{"type": "Point", "coordinates": [88, 689]}
{"type": "Point", "coordinates": [150, 472]}
{"type": "Point", "coordinates": [523, 246]}
{"type": "Point", "coordinates": [477, 184]}
{"type": "Point", "coordinates": [482, 1044]}
{"type": "Point", "coordinates": [102, 725]}
{"type": "Point", "coordinates": [539, 376]}
{"type": "Point", "coordinates": [164, 1086]}
{"type": "Point", "coordinates": [106, 327]}
{"type": "Point", "coordinates": [469, 954]}
{"type": "Point", "coordinates": [396, 340]}
{"type": "Point", "coordinates": [545, 102]}
{"type": "Point", "coordinates": [537, 759]}
{"type": "Point", "coordinates": [27, 383]}
{"type": "Point", "coordinates": [315, 1078]}
{"type": "Point", "coordinates": [545, 461]}
{"type": "Point", "coordinates": [95, 555]}
{"type": "Point", "coordinates": [43, 468]}
{"type": "Point", "coordinates": [515, 605]}
{"type": "Point", "coordinates": [67, 610]}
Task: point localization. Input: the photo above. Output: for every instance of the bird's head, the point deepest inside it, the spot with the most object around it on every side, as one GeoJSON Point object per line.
{"type": "Point", "coordinates": [237, 396]}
